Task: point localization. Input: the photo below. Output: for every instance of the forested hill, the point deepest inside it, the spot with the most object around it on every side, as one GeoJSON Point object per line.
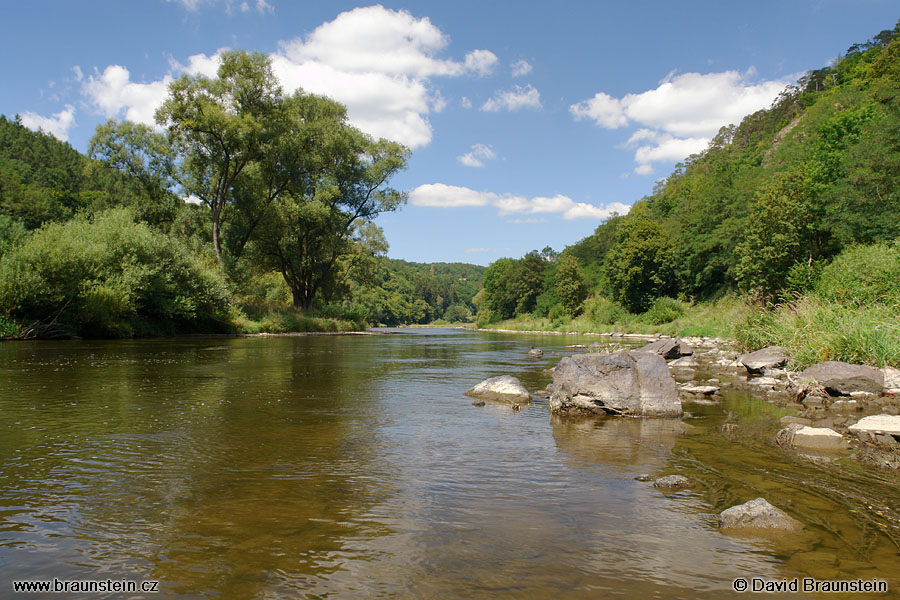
{"type": "Point", "coordinates": [760, 211]}
{"type": "Point", "coordinates": [771, 198]}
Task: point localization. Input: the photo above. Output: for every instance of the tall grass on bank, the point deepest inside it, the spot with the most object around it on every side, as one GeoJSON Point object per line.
{"type": "Point", "coordinates": [813, 330]}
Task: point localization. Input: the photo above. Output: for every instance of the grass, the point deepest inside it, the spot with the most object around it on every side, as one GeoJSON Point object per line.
{"type": "Point", "coordinates": [813, 330]}
{"type": "Point", "coordinates": [717, 318]}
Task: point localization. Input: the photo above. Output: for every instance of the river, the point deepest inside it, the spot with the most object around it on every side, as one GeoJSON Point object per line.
{"type": "Point", "coordinates": [354, 467]}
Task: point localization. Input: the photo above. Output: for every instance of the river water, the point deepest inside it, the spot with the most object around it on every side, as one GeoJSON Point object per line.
{"type": "Point", "coordinates": [354, 467]}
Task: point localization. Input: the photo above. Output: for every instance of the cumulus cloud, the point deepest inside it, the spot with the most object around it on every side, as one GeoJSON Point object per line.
{"type": "Point", "coordinates": [378, 62]}
{"type": "Point", "coordinates": [57, 125]}
{"type": "Point", "coordinates": [465, 102]}
{"type": "Point", "coordinates": [451, 196]}
{"type": "Point", "coordinates": [520, 68]}
{"type": "Point", "coordinates": [514, 99]}
{"type": "Point", "coordinates": [681, 114]}
{"type": "Point", "coordinates": [115, 95]}
{"type": "Point", "coordinates": [477, 156]}
{"type": "Point", "coordinates": [481, 62]}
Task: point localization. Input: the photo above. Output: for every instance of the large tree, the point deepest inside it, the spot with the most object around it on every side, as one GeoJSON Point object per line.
{"type": "Point", "coordinates": [344, 186]}
{"type": "Point", "coordinates": [220, 126]}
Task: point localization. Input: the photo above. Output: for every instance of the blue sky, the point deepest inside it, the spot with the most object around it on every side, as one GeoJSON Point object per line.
{"type": "Point", "coordinates": [530, 122]}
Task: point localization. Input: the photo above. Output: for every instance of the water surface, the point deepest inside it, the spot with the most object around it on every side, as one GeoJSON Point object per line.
{"type": "Point", "coordinates": [354, 467]}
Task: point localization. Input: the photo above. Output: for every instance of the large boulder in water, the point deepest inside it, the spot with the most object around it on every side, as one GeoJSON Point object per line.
{"type": "Point", "coordinates": [840, 378]}
{"type": "Point", "coordinates": [770, 357]}
{"type": "Point", "coordinates": [504, 388]}
{"type": "Point", "coordinates": [621, 383]}
{"type": "Point", "coordinates": [757, 514]}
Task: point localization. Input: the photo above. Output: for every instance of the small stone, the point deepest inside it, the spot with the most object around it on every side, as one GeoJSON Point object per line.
{"type": "Point", "coordinates": [672, 482]}
{"type": "Point", "coordinates": [819, 438]}
{"type": "Point", "coordinates": [764, 381]}
{"type": "Point", "coordinates": [535, 353]}
{"type": "Point", "coordinates": [643, 477]}
{"type": "Point", "coordinates": [878, 424]}
{"type": "Point", "coordinates": [700, 390]}
{"type": "Point", "coordinates": [769, 357]}
{"type": "Point", "coordinates": [478, 403]}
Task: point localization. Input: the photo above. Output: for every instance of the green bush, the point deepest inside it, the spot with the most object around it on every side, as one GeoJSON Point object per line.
{"type": "Point", "coordinates": [110, 277]}
{"type": "Point", "coordinates": [863, 276]}
{"type": "Point", "coordinates": [663, 310]}
{"type": "Point", "coordinates": [602, 311]}
{"type": "Point", "coordinates": [458, 313]}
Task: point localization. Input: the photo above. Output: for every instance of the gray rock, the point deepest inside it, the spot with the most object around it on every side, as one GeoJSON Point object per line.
{"type": "Point", "coordinates": [621, 383]}
{"type": "Point", "coordinates": [643, 477]}
{"type": "Point", "coordinates": [672, 482]}
{"type": "Point", "coordinates": [840, 378]}
{"type": "Point", "coordinates": [770, 357]}
{"type": "Point", "coordinates": [757, 514]}
{"type": "Point", "coordinates": [684, 362]}
{"type": "Point", "coordinates": [668, 348]}
{"type": "Point", "coordinates": [535, 353]}
{"type": "Point", "coordinates": [504, 388]}
{"type": "Point", "coordinates": [763, 381]}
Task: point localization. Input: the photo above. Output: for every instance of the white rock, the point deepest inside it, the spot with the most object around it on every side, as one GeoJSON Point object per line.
{"type": "Point", "coordinates": [819, 438]}
{"type": "Point", "coordinates": [684, 361]}
{"type": "Point", "coordinates": [504, 388]}
{"type": "Point", "coordinates": [891, 378]}
{"type": "Point", "coordinates": [763, 381]}
{"type": "Point", "coordinates": [889, 424]}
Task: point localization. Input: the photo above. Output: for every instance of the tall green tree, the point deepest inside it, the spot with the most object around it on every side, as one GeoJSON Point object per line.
{"type": "Point", "coordinates": [641, 266]}
{"type": "Point", "coordinates": [219, 126]}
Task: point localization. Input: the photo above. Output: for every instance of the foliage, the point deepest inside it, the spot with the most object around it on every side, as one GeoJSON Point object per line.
{"type": "Point", "coordinates": [641, 266]}
{"type": "Point", "coordinates": [663, 310]}
{"type": "Point", "coordinates": [111, 277]}
{"type": "Point", "coordinates": [569, 284]}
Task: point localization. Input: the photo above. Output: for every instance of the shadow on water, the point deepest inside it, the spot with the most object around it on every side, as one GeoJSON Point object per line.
{"type": "Point", "coordinates": [354, 467]}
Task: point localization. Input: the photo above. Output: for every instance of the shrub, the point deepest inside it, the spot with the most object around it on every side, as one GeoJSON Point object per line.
{"type": "Point", "coordinates": [602, 311]}
{"type": "Point", "coordinates": [663, 310]}
{"type": "Point", "coordinates": [110, 277]}
{"type": "Point", "coordinates": [863, 276]}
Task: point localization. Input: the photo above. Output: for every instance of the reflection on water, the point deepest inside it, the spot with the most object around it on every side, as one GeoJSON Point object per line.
{"type": "Point", "coordinates": [354, 467]}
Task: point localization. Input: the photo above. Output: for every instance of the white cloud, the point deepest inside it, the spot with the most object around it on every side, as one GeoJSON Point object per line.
{"type": "Point", "coordinates": [481, 62]}
{"type": "Point", "coordinates": [465, 102]}
{"type": "Point", "coordinates": [448, 196]}
{"type": "Point", "coordinates": [520, 68]}
{"type": "Point", "coordinates": [514, 99]}
{"type": "Point", "coordinates": [477, 156]}
{"type": "Point", "coordinates": [57, 125]}
{"type": "Point", "coordinates": [377, 62]}
{"type": "Point", "coordinates": [451, 196]}
{"type": "Point", "coordinates": [115, 95]}
{"type": "Point", "coordinates": [606, 111]}
{"type": "Point", "coordinates": [78, 74]}
{"type": "Point", "coordinates": [682, 114]}
{"type": "Point", "coordinates": [478, 250]}
{"type": "Point", "coordinates": [645, 169]}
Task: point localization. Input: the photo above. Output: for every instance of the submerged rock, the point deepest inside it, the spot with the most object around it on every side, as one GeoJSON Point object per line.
{"type": "Point", "coordinates": [840, 378]}
{"type": "Point", "coordinates": [504, 388]}
{"type": "Point", "coordinates": [621, 383]}
{"type": "Point", "coordinates": [672, 482]}
{"type": "Point", "coordinates": [700, 390]}
{"type": "Point", "coordinates": [535, 353]}
{"type": "Point", "coordinates": [770, 357]}
{"type": "Point", "coordinates": [757, 514]}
